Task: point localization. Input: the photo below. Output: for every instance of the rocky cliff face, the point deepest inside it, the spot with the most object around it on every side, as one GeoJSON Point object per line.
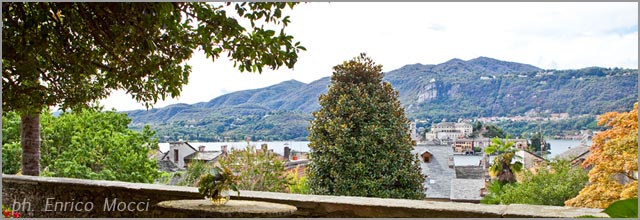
{"type": "Point", "coordinates": [429, 92]}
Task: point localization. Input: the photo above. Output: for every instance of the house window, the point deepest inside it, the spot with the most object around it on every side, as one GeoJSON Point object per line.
{"type": "Point", "coordinates": [175, 155]}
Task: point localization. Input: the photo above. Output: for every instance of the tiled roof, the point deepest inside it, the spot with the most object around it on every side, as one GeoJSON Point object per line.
{"type": "Point", "coordinates": [469, 172]}
{"type": "Point", "coordinates": [573, 152]}
{"type": "Point", "coordinates": [159, 155]}
{"type": "Point", "coordinates": [175, 143]}
{"type": "Point", "coordinates": [293, 164]}
{"type": "Point", "coordinates": [466, 190]}
{"type": "Point", "coordinates": [299, 167]}
{"type": "Point", "coordinates": [167, 166]}
{"type": "Point", "coordinates": [532, 155]}
{"type": "Point", "coordinates": [438, 172]}
{"type": "Point", "coordinates": [203, 155]}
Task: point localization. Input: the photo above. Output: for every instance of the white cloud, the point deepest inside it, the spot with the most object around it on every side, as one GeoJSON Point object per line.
{"type": "Point", "coordinates": [547, 35]}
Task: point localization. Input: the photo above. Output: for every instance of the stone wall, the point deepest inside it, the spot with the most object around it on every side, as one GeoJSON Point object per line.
{"type": "Point", "coordinates": [66, 197]}
{"type": "Point", "coordinates": [42, 194]}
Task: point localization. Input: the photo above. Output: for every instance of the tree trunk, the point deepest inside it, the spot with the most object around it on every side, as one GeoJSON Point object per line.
{"type": "Point", "coordinates": [30, 142]}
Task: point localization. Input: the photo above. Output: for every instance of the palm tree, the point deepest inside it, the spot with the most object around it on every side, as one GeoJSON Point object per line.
{"type": "Point", "coordinates": [502, 169]}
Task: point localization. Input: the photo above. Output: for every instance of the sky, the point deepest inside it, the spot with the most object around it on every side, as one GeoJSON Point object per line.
{"type": "Point", "coordinates": [544, 34]}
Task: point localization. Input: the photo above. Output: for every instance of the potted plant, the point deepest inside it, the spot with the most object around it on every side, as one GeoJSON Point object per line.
{"type": "Point", "coordinates": [294, 155]}
{"type": "Point", "coordinates": [215, 185]}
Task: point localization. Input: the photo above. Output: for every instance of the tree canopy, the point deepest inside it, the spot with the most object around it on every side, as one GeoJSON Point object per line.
{"type": "Point", "coordinates": [70, 54]}
{"type": "Point", "coordinates": [549, 184]}
{"type": "Point", "coordinates": [74, 53]}
{"type": "Point", "coordinates": [359, 138]}
{"type": "Point", "coordinates": [614, 162]}
{"type": "Point", "coordinates": [89, 144]}
{"type": "Point", "coordinates": [257, 169]}
{"type": "Point", "coordinates": [487, 130]}
{"type": "Point", "coordinates": [536, 143]}
{"type": "Point", "coordinates": [502, 167]}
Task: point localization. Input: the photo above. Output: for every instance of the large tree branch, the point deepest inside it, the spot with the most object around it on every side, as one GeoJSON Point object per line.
{"type": "Point", "coordinates": [630, 176]}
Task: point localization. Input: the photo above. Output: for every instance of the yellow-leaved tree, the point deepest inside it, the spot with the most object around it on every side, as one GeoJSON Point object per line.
{"type": "Point", "coordinates": [614, 157]}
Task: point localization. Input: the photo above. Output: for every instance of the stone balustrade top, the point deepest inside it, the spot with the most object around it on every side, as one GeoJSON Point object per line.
{"type": "Point", "coordinates": [38, 192]}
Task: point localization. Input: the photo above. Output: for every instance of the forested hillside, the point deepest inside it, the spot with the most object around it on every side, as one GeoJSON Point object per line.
{"type": "Point", "coordinates": [480, 87]}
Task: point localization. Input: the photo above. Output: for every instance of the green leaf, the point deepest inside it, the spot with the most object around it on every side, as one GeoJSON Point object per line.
{"type": "Point", "coordinates": [270, 32]}
{"type": "Point", "coordinates": [490, 150]}
{"type": "Point", "coordinates": [516, 167]}
{"type": "Point", "coordinates": [627, 208]}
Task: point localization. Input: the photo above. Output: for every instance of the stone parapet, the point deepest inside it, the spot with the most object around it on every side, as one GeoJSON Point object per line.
{"type": "Point", "coordinates": [53, 197]}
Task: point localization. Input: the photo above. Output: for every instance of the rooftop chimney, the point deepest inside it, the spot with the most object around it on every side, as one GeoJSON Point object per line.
{"type": "Point", "coordinates": [201, 148]}
{"type": "Point", "coordinates": [223, 148]}
{"type": "Point", "coordinates": [287, 152]}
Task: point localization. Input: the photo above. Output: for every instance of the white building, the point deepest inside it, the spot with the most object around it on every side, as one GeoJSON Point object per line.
{"type": "Point", "coordinates": [449, 131]}
{"type": "Point", "coordinates": [177, 152]}
{"type": "Point", "coordinates": [413, 131]}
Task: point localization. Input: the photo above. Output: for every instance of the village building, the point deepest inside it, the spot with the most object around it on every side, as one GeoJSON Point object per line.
{"type": "Point", "coordinates": [205, 156]}
{"type": "Point", "coordinates": [529, 160]}
{"type": "Point", "coordinates": [180, 154]}
{"type": "Point", "coordinates": [426, 156]}
{"type": "Point", "coordinates": [521, 144]}
{"type": "Point", "coordinates": [295, 161]}
{"type": "Point", "coordinates": [449, 131]}
{"type": "Point", "coordinates": [446, 181]}
{"type": "Point", "coordinates": [167, 166]}
{"type": "Point", "coordinates": [437, 167]}
{"type": "Point", "coordinates": [177, 152]}
{"type": "Point", "coordinates": [469, 183]}
{"type": "Point", "coordinates": [575, 155]}
{"type": "Point", "coordinates": [464, 146]}
{"type": "Point", "coordinates": [467, 190]}
{"type": "Point", "coordinates": [578, 154]}
{"type": "Point", "coordinates": [297, 166]}
{"type": "Point", "coordinates": [481, 142]}
{"type": "Point", "coordinates": [470, 172]}
{"type": "Point", "coordinates": [413, 131]}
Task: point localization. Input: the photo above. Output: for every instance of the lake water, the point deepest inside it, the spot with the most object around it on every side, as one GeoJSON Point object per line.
{"type": "Point", "coordinates": [557, 147]}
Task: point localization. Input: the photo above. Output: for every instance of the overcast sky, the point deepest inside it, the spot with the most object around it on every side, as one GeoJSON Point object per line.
{"type": "Point", "coordinates": [546, 35]}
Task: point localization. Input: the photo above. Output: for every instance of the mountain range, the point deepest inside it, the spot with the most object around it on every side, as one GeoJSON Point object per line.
{"type": "Point", "coordinates": [480, 87]}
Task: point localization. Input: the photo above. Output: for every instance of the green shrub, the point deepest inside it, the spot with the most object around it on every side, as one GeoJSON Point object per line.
{"type": "Point", "coordinates": [552, 184]}
{"type": "Point", "coordinates": [11, 149]}
{"type": "Point", "coordinates": [298, 184]}
{"type": "Point", "coordinates": [359, 138]}
{"type": "Point", "coordinates": [257, 169]}
{"type": "Point", "coordinates": [85, 144]}
{"type": "Point", "coordinates": [194, 171]}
